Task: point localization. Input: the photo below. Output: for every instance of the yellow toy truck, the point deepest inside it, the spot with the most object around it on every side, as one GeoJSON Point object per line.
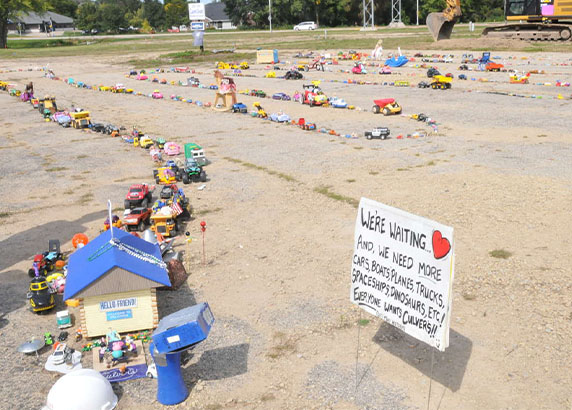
{"type": "Point", "coordinates": [80, 119]}
{"type": "Point", "coordinates": [440, 82]}
{"type": "Point", "coordinates": [164, 221]}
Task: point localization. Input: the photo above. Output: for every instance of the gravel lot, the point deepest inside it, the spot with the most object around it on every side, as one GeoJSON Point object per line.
{"type": "Point", "coordinates": [499, 170]}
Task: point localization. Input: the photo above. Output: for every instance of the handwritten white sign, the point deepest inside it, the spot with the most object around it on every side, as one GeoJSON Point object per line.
{"type": "Point", "coordinates": [117, 304]}
{"type": "Point", "coordinates": [196, 11]}
{"type": "Point", "coordinates": [402, 271]}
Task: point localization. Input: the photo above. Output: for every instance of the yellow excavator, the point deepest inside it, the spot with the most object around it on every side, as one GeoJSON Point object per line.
{"type": "Point", "coordinates": [533, 20]}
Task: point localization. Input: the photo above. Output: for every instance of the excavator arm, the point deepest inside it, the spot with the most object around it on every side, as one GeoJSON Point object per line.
{"type": "Point", "coordinates": [441, 24]}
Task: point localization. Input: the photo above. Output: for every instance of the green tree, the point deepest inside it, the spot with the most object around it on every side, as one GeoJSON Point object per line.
{"type": "Point", "coordinates": [111, 17]}
{"type": "Point", "coordinates": [10, 9]}
{"type": "Point", "coordinates": [87, 16]}
{"type": "Point", "coordinates": [63, 7]}
{"type": "Point", "coordinates": [176, 12]}
{"type": "Point", "coordinates": [154, 13]}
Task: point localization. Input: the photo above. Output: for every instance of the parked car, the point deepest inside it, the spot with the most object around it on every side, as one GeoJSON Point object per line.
{"type": "Point", "coordinates": [306, 25]}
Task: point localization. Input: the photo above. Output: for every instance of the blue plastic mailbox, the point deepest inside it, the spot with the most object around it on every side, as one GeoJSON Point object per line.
{"type": "Point", "coordinates": [176, 333]}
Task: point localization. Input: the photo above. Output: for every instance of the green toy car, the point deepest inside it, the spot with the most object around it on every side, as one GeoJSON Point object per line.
{"type": "Point", "coordinates": [193, 172]}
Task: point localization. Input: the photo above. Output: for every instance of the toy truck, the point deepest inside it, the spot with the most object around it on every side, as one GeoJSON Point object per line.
{"type": "Point", "coordinates": [47, 106]}
{"type": "Point", "coordinates": [193, 172]}
{"type": "Point", "coordinates": [196, 152]}
{"type": "Point", "coordinates": [440, 82]}
{"type": "Point", "coordinates": [139, 195]}
{"type": "Point", "coordinates": [378, 132]}
{"type": "Point", "coordinates": [164, 221]}
{"type": "Point", "coordinates": [80, 119]}
{"type": "Point", "coordinates": [145, 142]}
{"type": "Point", "coordinates": [387, 106]}
{"type": "Point", "coordinates": [40, 296]}
{"type": "Point", "coordinates": [166, 175]}
{"type": "Point", "coordinates": [136, 219]}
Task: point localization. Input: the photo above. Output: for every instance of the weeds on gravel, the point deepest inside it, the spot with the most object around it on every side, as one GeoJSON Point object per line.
{"type": "Point", "coordinates": [250, 165]}
{"type": "Point", "coordinates": [350, 180]}
{"type": "Point", "coordinates": [363, 322]}
{"type": "Point", "coordinates": [500, 254]}
{"type": "Point", "coordinates": [267, 397]}
{"type": "Point", "coordinates": [5, 214]}
{"type": "Point", "coordinates": [373, 172]}
{"type": "Point", "coordinates": [325, 190]}
{"type": "Point", "coordinates": [56, 169]}
{"type": "Point", "coordinates": [284, 345]}
{"type": "Point", "coordinates": [85, 198]}
{"type": "Point", "coordinates": [208, 211]}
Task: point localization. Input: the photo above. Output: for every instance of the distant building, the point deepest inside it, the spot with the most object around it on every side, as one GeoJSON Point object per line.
{"type": "Point", "coordinates": [39, 23]}
{"type": "Point", "coordinates": [217, 17]}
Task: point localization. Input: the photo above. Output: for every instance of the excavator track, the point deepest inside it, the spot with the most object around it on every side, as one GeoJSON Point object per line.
{"type": "Point", "coordinates": [530, 31]}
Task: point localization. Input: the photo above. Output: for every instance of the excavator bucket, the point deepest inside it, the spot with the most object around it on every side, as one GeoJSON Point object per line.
{"type": "Point", "coordinates": [439, 26]}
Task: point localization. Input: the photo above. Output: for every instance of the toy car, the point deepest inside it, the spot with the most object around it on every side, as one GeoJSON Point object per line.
{"type": "Point", "coordinates": [493, 66]}
{"type": "Point", "coordinates": [97, 127]}
{"type": "Point", "coordinates": [423, 84]}
{"type": "Point", "coordinates": [40, 296]}
{"type": "Point", "coordinates": [139, 195]}
{"type": "Point", "coordinates": [378, 132]}
{"type": "Point", "coordinates": [80, 119]}
{"type": "Point", "coordinates": [195, 151]}
{"type": "Point", "coordinates": [118, 88]}
{"type": "Point", "coordinates": [137, 218]}
{"type": "Point", "coordinates": [338, 102]}
{"type": "Point", "coordinates": [240, 107]}
{"type": "Point", "coordinates": [104, 88]}
{"type": "Point", "coordinates": [359, 68]}
{"type": "Point", "coordinates": [387, 106]}
{"type": "Point", "coordinates": [281, 96]}
{"type": "Point", "coordinates": [280, 117]}
{"type": "Point", "coordinates": [172, 148]}
{"type": "Point", "coordinates": [145, 142]}
{"type": "Point", "coordinates": [462, 77]}
{"type": "Point", "coordinates": [168, 191]}
{"type": "Point", "coordinates": [193, 82]}
{"type": "Point", "coordinates": [165, 176]}
{"type": "Point", "coordinates": [157, 95]}
{"type": "Point", "coordinates": [385, 70]}
{"type": "Point", "coordinates": [401, 84]}
{"type": "Point", "coordinates": [63, 319]}
{"type": "Point", "coordinates": [313, 95]}
{"type": "Point", "coordinates": [62, 354]}
{"type": "Point", "coordinates": [293, 75]}
{"type": "Point", "coordinates": [431, 72]}
{"type": "Point", "coordinates": [193, 172]}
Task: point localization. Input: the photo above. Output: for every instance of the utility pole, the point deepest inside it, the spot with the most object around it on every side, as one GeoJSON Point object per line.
{"type": "Point", "coordinates": [417, 13]}
{"type": "Point", "coordinates": [270, 14]}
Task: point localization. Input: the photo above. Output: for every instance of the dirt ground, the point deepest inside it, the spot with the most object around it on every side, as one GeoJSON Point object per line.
{"type": "Point", "coordinates": [278, 251]}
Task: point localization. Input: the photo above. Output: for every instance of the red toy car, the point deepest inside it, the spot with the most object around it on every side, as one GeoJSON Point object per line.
{"type": "Point", "coordinates": [493, 66]}
{"type": "Point", "coordinates": [137, 219]}
{"type": "Point", "coordinates": [139, 195]}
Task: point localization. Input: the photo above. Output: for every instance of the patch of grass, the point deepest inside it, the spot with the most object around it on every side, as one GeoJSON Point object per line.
{"type": "Point", "coordinates": [325, 190]}
{"type": "Point", "coordinates": [284, 345]}
{"type": "Point", "coordinates": [85, 198]}
{"type": "Point", "coordinates": [373, 173]}
{"type": "Point", "coordinates": [82, 156]}
{"type": "Point", "coordinates": [130, 178]}
{"type": "Point", "coordinates": [5, 214]}
{"type": "Point", "coordinates": [86, 172]}
{"type": "Point", "coordinates": [431, 163]}
{"type": "Point", "coordinates": [213, 406]}
{"type": "Point", "coordinates": [56, 169]}
{"type": "Point", "coordinates": [500, 254]}
{"type": "Point", "coordinates": [208, 211]}
{"type": "Point", "coordinates": [250, 165]}
{"type": "Point", "coordinates": [350, 180]}
{"type": "Point", "coordinates": [358, 147]}
{"type": "Point", "coordinates": [118, 209]}
{"type": "Point", "coordinates": [403, 169]}
{"type": "Point", "coordinates": [468, 295]}
{"type": "Point", "coordinates": [363, 322]}
{"type": "Point", "coordinates": [267, 397]}
{"type": "Point", "coordinates": [189, 56]}
{"type": "Point", "coordinates": [69, 191]}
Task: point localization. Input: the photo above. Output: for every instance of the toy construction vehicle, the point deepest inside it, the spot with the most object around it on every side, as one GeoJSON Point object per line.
{"type": "Point", "coordinates": [3, 85]}
{"type": "Point", "coordinates": [165, 222]}
{"type": "Point", "coordinates": [441, 82]}
{"type": "Point", "coordinates": [47, 106]}
{"type": "Point", "coordinates": [80, 119]}
{"type": "Point", "coordinates": [387, 106]}
{"type": "Point", "coordinates": [260, 113]}
{"type": "Point", "coordinates": [145, 142]}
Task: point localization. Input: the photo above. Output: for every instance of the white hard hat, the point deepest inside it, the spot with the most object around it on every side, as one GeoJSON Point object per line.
{"type": "Point", "coordinates": [82, 389]}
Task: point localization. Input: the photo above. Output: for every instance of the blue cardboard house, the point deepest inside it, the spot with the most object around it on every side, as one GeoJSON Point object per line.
{"type": "Point", "coordinates": [115, 279]}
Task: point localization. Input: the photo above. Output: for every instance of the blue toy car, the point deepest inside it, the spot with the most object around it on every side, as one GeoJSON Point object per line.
{"type": "Point", "coordinates": [240, 107]}
{"type": "Point", "coordinates": [280, 117]}
{"type": "Point", "coordinates": [281, 96]}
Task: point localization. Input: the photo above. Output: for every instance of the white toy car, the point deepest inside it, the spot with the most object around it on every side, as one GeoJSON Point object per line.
{"type": "Point", "coordinates": [378, 132]}
{"type": "Point", "coordinates": [338, 103]}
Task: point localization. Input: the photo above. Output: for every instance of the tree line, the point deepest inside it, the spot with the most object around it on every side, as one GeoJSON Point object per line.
{"type": "Point", "coordinates": [332, 13]}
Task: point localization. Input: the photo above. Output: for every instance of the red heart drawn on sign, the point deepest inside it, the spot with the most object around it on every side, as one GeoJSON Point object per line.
{"type": "Point", "coordinates": [441, 246]}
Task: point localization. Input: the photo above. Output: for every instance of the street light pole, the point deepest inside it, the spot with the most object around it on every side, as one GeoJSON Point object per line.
{"type": "Point", "coordinates": [270, 14]}
{"type": "Point", "coordinates": [417, 12]}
